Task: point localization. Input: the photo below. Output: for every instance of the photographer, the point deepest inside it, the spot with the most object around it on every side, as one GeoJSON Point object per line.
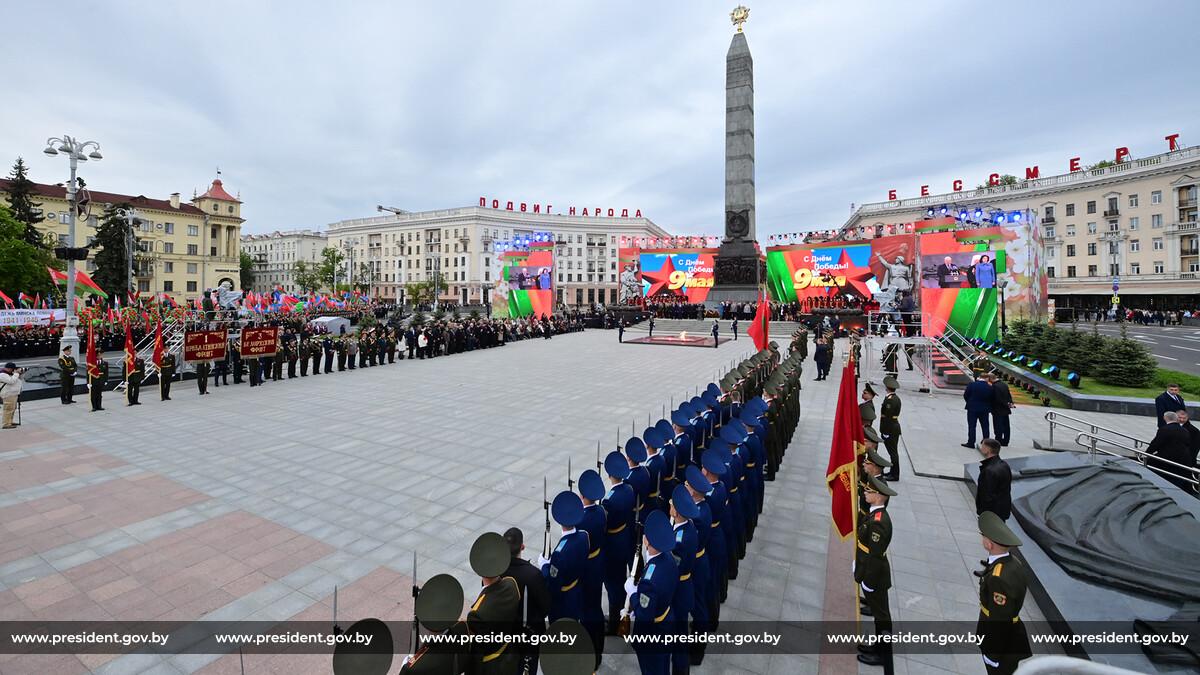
{"type": "Point", "coordinates": [10, 388]}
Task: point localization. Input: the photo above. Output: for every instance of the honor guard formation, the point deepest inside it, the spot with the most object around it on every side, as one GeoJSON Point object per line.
{"type": "Point", "coordinates": [646, 542]}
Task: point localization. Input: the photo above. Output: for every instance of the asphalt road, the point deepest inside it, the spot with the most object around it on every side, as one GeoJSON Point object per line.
{"type": "Point", "coordinates": [1175, 347]}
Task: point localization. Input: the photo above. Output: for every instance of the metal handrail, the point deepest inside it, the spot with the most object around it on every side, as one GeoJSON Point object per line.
{"type": "Point", "coordinates": [1091, 428]}
{"type": "Point", "coordinates": [1139, 456]}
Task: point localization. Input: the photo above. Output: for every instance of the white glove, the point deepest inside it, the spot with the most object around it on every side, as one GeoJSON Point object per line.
{"type": "Point", "coordinates": [990, 662]}
{"type": "Point", "coordinates": [866, 587]}
{"type": "Point", "coordinates": [630, 586]}
{"type": "Point", "coordinates": [624, 613]}
{"type": "Point", "coordinates": [542, 561]}
{"type": "Point", "coordinates": [853, 567]}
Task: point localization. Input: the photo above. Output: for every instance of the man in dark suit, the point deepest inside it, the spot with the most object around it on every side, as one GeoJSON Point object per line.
{"type": "Point", "coordinates": [1002, 403]}
{"type": "Point", "coordinates": [947, 274]}
{"type": "Point", "coordinates": [1171, 444]}
{"type": "Point", "coordinates": [978, 397]}
{"type": "Point", "coordinates": [1168, 401]}
{"type": "Point", "coordinates": [1193, 434]}
{"type": "Point", "coordinates": [534, 595]}
{"type": "Point", "coordinates": [995, 482]}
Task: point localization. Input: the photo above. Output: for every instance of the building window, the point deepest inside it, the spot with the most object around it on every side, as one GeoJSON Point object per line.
{"type": "Point", "coordinates": [1049, 231]}
{"type": "Point", "coordinates": [1133, 222]}
{"type": "Point", "coordinates": [1092, 248]}
{"type": "Point", "coordinates": [212, 250]}
{"type": "Point", "coordinates": [146, 226]}
{"type": "Point", "coordinates": [1114, 269]}
{"type": "Point", "coordinates": [1070, 210]}
{"type": "Point", "coordinates": [1135, 245]}
{"type": "Point", "coordinates": [1070, 250]}
{"type": "Point", "coordinates": [169, 228]}
{"type": "Point", "coordinates": [168, 267]}
{"type": "Point", "coordinates": [169, 286]}
{"type": "Point", "coordinates": [168, 247]}
{"type": "Point", "coordinates": [1050, 271]}
{"type": "Point", "coordinates": [1156, 197]}
{"type": "Point", "coordinates": [192, 268]}
{"type": "Point", "coordinates": [1158, 267]}
{"type": "Point", "coordinates": [1133, 201]}
{"type": "Point", "coordinates": [1156, 220]}
{"type": "Point", "coordinates": [191, 287]}
{"type": "Point", "coordinates": [1091, 228]}
{"type": "Point", "coordinates": [1051, 251]}
{"type": "Point", "coordinates": [231, 208]}
{"type": "Point", "coordinates": [1091, 270]}
{"type": "Point", "coordinates": [193, 249]}
{"type": "Point", "coordinates": [1113, 226]}
{"type": "Point", "coordinates": [1070, 271]}
{"type": "Point", "coordinates": [1114, 248]}
{"type": "Point", "coordinates": [216, 207]}
{"type": "Point", "coordinates": [1049, 212]}
{"type": "Point", "coordinates": [193, 230]}
{"type": "Point", "coordinates": [1158, 244]}
{"type": "Point", "coordinates": [1070, 230]}
{"type": "Point", "coordinates": [212, 232]}
{"type": "Point", "coordinates": [1135, 268]}
{"type": "Point", "coordinates": [143, 286]}
{"type": "Point", "coordinates": [1091, 207]}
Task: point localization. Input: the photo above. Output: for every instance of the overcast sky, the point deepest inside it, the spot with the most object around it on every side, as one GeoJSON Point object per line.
{"type": "Point", "coordinates": [316, 111]}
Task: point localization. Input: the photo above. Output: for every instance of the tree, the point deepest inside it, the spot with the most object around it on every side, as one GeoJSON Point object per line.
{"type": "Point", "coordinates": [1006, 179]}
{"type": "Point", "coordinates": [330, 267]}
{"type": "Point", "coordinates": [1126, 363]}
{"type": "Point", "coordinates": [22, 265]}
{"type": "Point", "coordinates": [246, 271]}
{"type": "Point", "coordinates": [422, 292]}
{"type": "Point", "coordinates": [307, 276]}
{"type": "Point", "coordinates": [23, 208]}
{"type": "Point", "coordinates": [1103, 164]}
{"type": "Point", "coordinates": [112, 261]}
{"type": "Point", "coordinates": [364, 277]}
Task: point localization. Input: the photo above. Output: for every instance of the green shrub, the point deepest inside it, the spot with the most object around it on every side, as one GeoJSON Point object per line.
{"type": "Point", "coordinates": [1125, 363]}
{"type": "Point", "coordinates": [1046, 347]}
{"type": "Point", "coordinates": [1016, 337]}
{"type": "Point", "coordinates": [418, 319]}
{"type": "Point", "coordinates": [1189, 383]}
{"type": "Point", "coordinates": [1084, 354]}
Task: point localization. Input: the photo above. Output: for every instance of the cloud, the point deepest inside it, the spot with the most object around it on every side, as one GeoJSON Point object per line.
{"type": "Point", "coordinates": [317, 112]}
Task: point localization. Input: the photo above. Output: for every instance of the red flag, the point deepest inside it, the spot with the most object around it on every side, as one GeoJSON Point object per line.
{"type": "Point", "coordinates": [130, 350]}
{"type": "Point", "coordinates": [84, 284]}
{"type": "Point", "coordinates": [93, 363]}
{"type": "Point", "coordinates": [56, 276]}
{"type": "Point", "coordinates": [848, 441]}
{"type": "Point", "coordinates": [158, 345]}
{"type": "Point", "coordinates": [7, 300]}
{"type": "Point", "coordinates": [112, 317]}
{"type": "Point", "coordinates": [759, 330]}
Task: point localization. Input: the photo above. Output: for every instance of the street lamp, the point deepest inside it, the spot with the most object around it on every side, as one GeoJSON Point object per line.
{"type": "Point", "coordinates": [131, 218]}
{"type": "Point", "coordinates": [348, 246]}
{"type": "Point", "coordinates": [76, 151]}
{"type": "Point", "coordinates": [1002, 284]}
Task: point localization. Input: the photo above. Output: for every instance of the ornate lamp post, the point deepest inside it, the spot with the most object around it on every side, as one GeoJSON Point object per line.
{"type": "Point", "coordinates": [131, 218]}
{"type": "Point", "coordinates": [76, 151]}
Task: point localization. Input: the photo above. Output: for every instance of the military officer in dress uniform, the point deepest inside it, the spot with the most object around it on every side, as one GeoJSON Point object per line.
{"type": "Point", "coordinates": [495, 610]}
{"type": "Point", "coordinates": [889, 425]}
{"type": "Point", "coordinates": [873, 572]}
{"type": "Point", "coordinates": [133, 382]}
{"type": "Point", "coordinates": [276, 363]}
{"type": "Point", "coordinates": [1001, 595]}
{"type": "Point", "coordinates": [305, 353]}
{"type": "Point", "coordinates": [703, 607]}
{"type": "Point", "coordinates": [650, 596]}
{"type": "Point", "coordinates": [289, 351]}
{"type": "Point", "coordinates": [166, 373]}
{"type": "Point", "coordinates": [595, 524]}
{"type": "Point", "coordinates": [681, 425]}
{"type": "Point", "coordinates": [687, 544]}
{"type": "Point", "coordinates": [203, 368]}
{"type": "Point", "coordinates": [566, 565]}
{"type": "Point", "coordinates": [872, 465]}
{"type": "Point", "coordinates": [720, 548]}
{"type": "Point", "coordinates": [66, 376]}
{"type": "Point", "coordinates": [670, 458]}
{"type": "Point", "coordinates": [890, 365]}
{"type": "Point", "coordinates": [639, 477]}
{"type": "Point", "coordinates": [620, 504]}
{"type": "Point", "coordinates": [97, 380]}
{"type": "Point", "coordinates": [656, 464]}
{"type": "Point", "coordinates": [866, 409]}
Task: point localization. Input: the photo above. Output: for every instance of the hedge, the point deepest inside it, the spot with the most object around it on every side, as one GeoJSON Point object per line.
{"type": "Point", "coordinates": [1187, 382]}
{"type": "Point", "coordinates": [1116, 361]}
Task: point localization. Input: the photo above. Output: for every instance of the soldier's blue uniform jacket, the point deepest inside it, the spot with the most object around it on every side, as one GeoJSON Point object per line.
{"type": "Point", "coordinates": [719, 543]}
{"type": "Point", "coordinates": [568, 560]}
{"type": "Point", "coordinates": [595, 523]}
{"type": "Point", "coordinates": [655, 465]}
{"type": "Point", "coordinates": [618, 503]}
{"type": "Point", "coordinates": [639, 478]}
{"type": "Point", "coordinates": [686, 546]}
{"type": "Point", "coordinates": [701, 574]}
{"type": "Point", "coordinates": [651, 602]}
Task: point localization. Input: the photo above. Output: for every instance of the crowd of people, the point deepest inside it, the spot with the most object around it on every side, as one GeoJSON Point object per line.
{"type": "Point", "coordinates": [649, 551]}
{"type": "Point", "coordinates": [1144, 317]}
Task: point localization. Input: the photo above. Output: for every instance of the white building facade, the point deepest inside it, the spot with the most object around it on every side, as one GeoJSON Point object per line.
{"type": "Point", "coordinates": [459, 245]}
{"type": "Point", "coordinates": [276, 254]}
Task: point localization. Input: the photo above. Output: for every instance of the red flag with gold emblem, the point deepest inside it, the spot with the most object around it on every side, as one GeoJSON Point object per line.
{"type": "Point", "coordinates": [158, 345]}
{"type": "Point", "coordinates": [93, 362]}
{"type": "Point", "coordinates": [848, 438]}
{"type": "Point", "coordinates": [130, 349]}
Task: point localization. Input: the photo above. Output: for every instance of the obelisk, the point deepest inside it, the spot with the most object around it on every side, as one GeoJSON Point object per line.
{"type": "Point", "coordinates": [738, 268]}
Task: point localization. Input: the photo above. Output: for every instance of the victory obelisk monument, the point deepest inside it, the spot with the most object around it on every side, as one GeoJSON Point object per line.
{"type": "Point", "coordinates": [738, 268]}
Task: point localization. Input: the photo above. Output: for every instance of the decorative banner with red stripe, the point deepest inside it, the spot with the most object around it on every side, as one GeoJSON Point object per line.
{"type": "Point", "coordinates": [842, 474]}
{"type": "Point", "coordinates": [206, 345]}
{"type": "Point", "coordinates": [261, 341]}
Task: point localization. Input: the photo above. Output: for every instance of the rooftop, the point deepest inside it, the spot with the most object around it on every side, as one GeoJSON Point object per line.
{"type": "Point", "coordinates": [138, 201]}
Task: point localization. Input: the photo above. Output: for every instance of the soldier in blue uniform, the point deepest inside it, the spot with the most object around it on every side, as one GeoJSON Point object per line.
{"type": "Point", "coordinates": [567, 562]}
{"type": "Point", "coordinates": [670, 456]}
{"type": "Point", "coordinates": [657, 466]}
{"type": "Point", "coordinates": [595, 523]}
{"type": "Point", "coordinates": [620, 503]}
{"type": "Point", "coordinates": [650, 597]}
{"type": "Point", "coordinates": [719, 546]}
{"type": "Point", "coordinates": [745, 488]}
{"type": "Point", "coordinates": [683, 509]}
{"type": "Point", "coordinates": [703, 606]}
{"type": "Point", "coordinates": [735, 535]}
{"type": "Point", "coordinates": [684, 441]}
{"type": "Point", "coordinates": [639, 477]}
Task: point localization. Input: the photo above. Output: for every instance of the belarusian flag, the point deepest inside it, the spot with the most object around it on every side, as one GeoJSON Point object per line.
{"type": "Point", "coordinates": [7, 300]}
{"type": "Point", "coordinates": [23, 299]}
{"type": "Point", "coordinates": [56, 276]}
{"type": "Point", "coordinates": [848, 440]}
{"type": "Point", "coordinates": [84, 284]}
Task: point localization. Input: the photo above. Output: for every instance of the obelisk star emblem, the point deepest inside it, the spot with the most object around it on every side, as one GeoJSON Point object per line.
{"type": "Point", "coordinates": [739, 15]}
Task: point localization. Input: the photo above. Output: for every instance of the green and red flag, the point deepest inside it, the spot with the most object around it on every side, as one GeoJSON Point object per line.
{"type": "Point", "coordinates": [848, 441]}
{"type": "Point", "coordinates": [7, 300]}
{"type": "Point", "coordinates": [84, 284]}
{"type": "Point", "coordinates": [57, 276]}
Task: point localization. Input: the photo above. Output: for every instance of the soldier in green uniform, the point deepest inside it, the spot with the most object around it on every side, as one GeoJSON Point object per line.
{"type": "Point", "coordinates": [133, 382]}
{"type": "Point", "coordinates": [866, 409]}
{"type": "Point", "coordinates": [873, 572]}
{"type": "Point", "coordinates": [66, 376]}
{"type": "Point", "coordinates": [497, 609]}
{"type": "Point", "coordinates": [289, 351]}
{"type": "Point", "coordinates": [890, 365]}
{"type": "Point", "coordinates": [97, 379]}
{"type": "Point", "coordinates": [1001, 594]}
{"type": "Point", "coordinates": [340, 347]}
{"type": "Point", "coordinates": [203, 368]}
{"type": "Point", "coordinates": [872, 465]}
{"type": "Point", "coordinates": [166, 373]}
{"type": "Point", "coordinates": [277, 363]}
{"type": "Point", "coordinates": [889, 425]}
{"type": "Point", "coordinates": [391, 348]}
{"type": "Point", "coordinates": [305, 353]}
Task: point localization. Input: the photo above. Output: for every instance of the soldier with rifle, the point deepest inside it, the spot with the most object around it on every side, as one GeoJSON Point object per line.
{"type": "Point", "coordinates": [651, 592]}
{"type": "Point", "coordinates": [565, 565]}
{"type": "Point", "coordinates": [595, 524]}
{"type": "Point", "coordinates": [620, 506]}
